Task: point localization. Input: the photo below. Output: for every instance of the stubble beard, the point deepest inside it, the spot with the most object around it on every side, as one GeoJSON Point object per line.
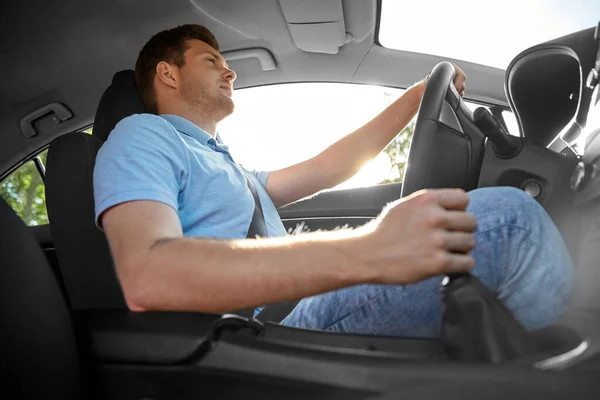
{"type": "Point", "coordinates": [211, 105]}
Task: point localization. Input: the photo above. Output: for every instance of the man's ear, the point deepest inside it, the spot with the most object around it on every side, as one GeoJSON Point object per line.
{"type": "Point", "coordinates": [167, 74]}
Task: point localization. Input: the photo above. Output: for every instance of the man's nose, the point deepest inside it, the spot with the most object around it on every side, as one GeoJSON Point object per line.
{"type": "Point", "coordinates": [230, 75]}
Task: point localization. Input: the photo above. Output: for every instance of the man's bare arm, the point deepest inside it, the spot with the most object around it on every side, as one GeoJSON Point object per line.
{"type": "Point", "coordinates": [344, 158]}
{"type": "Point", "coordinates": [160, 270]}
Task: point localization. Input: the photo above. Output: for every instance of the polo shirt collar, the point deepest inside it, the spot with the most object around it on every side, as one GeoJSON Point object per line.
{"type": "Point", "coordinates": [188, 128]}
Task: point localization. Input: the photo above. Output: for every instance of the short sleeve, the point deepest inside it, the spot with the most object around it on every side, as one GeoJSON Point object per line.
{"type": "Point", "coordinates": [143, 159]}
{"type": "Point", "coordinates": [262, 176]}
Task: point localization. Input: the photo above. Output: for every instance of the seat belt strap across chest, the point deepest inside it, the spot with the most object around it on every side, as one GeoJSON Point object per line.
{"type": "Point", "coordinates": [271, 312]}
{"type": "Point", "coordinates": [257, 228]}
{"type": "Point", "coordinates": [257, 225]}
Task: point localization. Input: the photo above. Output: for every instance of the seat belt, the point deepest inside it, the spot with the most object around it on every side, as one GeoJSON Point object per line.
{"type": "Point", "coordinates": [273, 312]}
{"type": "Point", "coordinates": [257, 228]}
{"type": "Point", "coordinates": [257, 225]}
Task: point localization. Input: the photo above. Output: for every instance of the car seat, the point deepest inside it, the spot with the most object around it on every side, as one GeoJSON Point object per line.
{"type": "Point", "coordinates": [38, 350]}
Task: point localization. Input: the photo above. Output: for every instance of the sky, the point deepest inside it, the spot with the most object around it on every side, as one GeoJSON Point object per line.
{"type": "Point", "coordinates": [300, 120]}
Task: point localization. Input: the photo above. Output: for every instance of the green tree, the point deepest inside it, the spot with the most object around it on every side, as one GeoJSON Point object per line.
{"type": "Point", "coordinates": [24, 192]}
{"type": "Point", "coordinates": [397, 152]}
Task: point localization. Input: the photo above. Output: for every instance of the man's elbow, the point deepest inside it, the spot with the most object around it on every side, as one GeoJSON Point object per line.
{"type": "Point", "coordinates": [135, 281]}
{"type": "Point", "coordinates": [140, 278]}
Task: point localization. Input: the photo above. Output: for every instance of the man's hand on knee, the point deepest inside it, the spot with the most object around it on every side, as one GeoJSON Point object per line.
{"type": "Point", "coordinates": [426, 234]}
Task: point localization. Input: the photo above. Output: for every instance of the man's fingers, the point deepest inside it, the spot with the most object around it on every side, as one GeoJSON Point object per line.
{"type": "Point", "coordinates": [459, 242]}
{"type": "Point", "coordinates": [460, 221]}
{"type": "Point", "coordinates": [452, 199]}
{"type": "Point", "coordinates": [455, 262]}
{"type": "Point", "coordinates": [460, 80]}
{"type": "Point", "coordinates": [460, 75]}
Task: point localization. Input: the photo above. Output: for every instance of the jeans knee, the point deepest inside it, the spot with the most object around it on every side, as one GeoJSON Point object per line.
{"type": "Point", "coordinates": [501, 195]}
{"type": "Point", "coordinates": [511, 205]}
{"type": "Point", "coordinates": [526, 251]}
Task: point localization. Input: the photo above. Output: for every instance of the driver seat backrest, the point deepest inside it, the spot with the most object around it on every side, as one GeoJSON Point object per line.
{"type": "Point", "coordinates": [38, 350]}
{"type": "Point", "coordinates": [82, 249]}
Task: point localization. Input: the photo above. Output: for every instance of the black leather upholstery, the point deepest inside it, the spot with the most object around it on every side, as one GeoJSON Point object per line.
{"type": "Point", "coordinates": [82, 250]}
{"type": "Point", "coordinates": [38, 351]}
{"type": "Point", "coordinates": [544, 87]}
{"type": "Point", "coordinates": [120, 100]}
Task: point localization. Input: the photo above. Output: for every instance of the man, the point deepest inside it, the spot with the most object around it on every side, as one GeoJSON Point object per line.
{"type": "Point", "coordinates": [176, 209]}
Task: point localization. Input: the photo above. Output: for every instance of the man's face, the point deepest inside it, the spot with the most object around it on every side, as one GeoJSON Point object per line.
{"type": "Point", "coordinates": [207, 82]}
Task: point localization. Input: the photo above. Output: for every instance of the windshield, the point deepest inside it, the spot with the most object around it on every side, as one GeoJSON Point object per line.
{"type": "Point", "coordinates": [485, 33]}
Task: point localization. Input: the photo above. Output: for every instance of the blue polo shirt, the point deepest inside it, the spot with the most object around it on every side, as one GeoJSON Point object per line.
{"type": "Point", "coordinates": [168, 159]}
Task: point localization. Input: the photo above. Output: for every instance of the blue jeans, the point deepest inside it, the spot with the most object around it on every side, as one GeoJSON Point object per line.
{"type": "Point", "coordinates": [519, 255]}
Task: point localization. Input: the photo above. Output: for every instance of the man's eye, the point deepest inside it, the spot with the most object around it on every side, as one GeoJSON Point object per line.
{"type": "Point", "coordinates": [212, 60]}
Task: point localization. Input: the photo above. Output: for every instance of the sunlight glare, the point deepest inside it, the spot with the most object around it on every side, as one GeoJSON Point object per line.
{"type": "Point", "coordinates": [277, 126]}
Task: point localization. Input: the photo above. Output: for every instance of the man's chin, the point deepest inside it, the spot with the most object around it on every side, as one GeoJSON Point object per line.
{"type": "Point", "coordinates": [227, 107]}
{"type": "Point", "coordinates": [230, 105]}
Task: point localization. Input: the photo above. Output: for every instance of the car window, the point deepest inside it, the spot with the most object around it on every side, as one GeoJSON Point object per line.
{"type": "Point", "coordinates": [511, 123]}
{"type": "Point", "coordinates": [275, 126]}
{"type": "Point", "coordinates": [24, 191]}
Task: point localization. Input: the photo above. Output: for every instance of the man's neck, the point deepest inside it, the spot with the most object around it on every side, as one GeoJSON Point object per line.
{"type": "Point", "coordinates": [208, 125]}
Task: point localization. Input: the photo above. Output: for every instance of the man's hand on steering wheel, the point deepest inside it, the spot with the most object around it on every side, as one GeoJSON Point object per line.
{"type": "Point", "coordinates": [460, 80]}
{"type": "Point", "coordinates": [434, 159]}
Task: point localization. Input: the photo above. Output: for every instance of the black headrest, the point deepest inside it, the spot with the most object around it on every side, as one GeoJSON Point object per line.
{"type": "Point", "coordinates": [544, 85]}
{"type": "Point", "coordinates": [121, 99]}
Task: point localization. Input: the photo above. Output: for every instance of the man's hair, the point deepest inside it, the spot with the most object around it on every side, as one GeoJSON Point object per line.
{"type": "Point", "coordinates": [169, 46]}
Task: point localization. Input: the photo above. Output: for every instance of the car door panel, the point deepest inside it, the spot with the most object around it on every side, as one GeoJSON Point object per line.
{"type": "Point", "coordinates": [338, 208]}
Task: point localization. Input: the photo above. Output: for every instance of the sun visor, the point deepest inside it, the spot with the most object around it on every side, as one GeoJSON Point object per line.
{"type": "Point", "coordinates": [316, 26]}
{"type": "Point", "coordinates": [544, 87]}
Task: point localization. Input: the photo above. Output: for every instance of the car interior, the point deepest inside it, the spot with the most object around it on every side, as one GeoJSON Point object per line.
{"type": "Point", "coordinates": [66, 329]}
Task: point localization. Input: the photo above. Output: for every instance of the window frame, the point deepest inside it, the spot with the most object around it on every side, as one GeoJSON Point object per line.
{"type": "Point", "coordinates": [41, 170]}
{"type": "Point", "coordinates": [35, 157]}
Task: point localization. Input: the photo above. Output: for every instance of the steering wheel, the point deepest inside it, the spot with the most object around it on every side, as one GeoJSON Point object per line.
{"type": "Point", "coordinates": [447, 148]}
